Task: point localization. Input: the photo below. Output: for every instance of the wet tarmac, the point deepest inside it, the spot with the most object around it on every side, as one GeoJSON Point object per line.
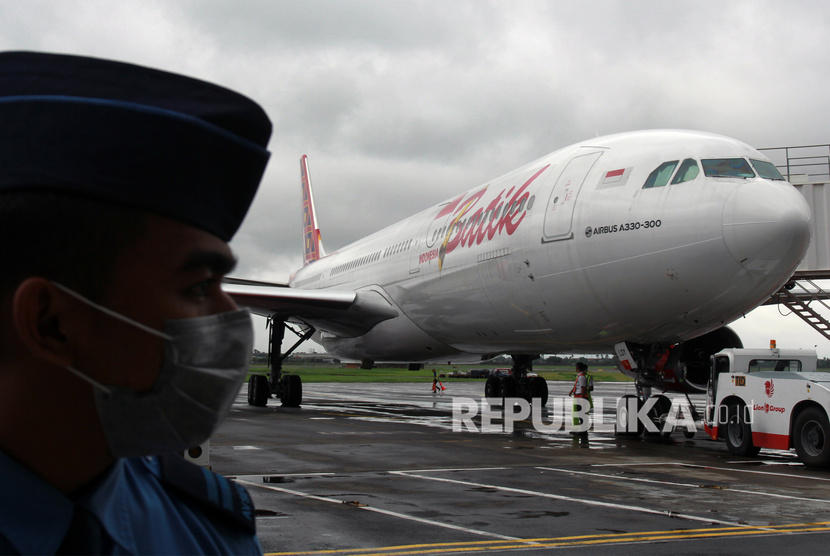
{"type": "Point", "coordinates": [378, 469]}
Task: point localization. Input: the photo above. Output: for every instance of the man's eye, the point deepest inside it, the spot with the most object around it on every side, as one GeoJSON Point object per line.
{"type": "Point", "coordinates": [201, 289]}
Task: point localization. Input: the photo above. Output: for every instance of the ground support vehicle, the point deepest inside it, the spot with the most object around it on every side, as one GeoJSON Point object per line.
{"type": "Point", "coordinates": [769, 398]}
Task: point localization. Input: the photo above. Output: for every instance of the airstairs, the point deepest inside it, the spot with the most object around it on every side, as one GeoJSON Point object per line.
{"type": "Point", "coordinates": [807, 167]}
{"type": "Point", "coordinates": [805, 296]}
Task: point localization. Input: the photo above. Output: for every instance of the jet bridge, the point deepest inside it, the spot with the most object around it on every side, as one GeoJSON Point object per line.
{"type": "Point", "coordinates": [807, 167]}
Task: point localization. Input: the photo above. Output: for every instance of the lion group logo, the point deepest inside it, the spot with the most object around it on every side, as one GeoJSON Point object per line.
{"type": "Point", "coordinates": [769, 388]}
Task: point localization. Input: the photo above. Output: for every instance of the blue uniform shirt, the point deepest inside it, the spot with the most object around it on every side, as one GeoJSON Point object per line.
{"type": "Point", "coordinates": [141, 510]}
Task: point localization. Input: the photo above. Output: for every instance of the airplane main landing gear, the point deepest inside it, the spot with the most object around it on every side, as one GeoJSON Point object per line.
{"type": "Point", "coordinates": [288, 388]}
{"type": "Point", "coordinates": [517, 383]}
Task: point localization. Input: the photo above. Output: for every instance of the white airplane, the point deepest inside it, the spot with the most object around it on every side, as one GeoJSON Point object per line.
{"type": "Point", "coordinates": [645, 244]}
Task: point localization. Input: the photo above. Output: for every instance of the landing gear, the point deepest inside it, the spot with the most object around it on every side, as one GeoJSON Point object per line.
{"type": "Point", "coordinates": [258, 390]}
{"type": "Point", "coordinates": [288, 388]}
{"type": "Point", "coordinates": [508, 386]}
{"type": "Point", "coordinates": [651, 363]}
{"type": "Point", "coordinates": [659, 413]}
{"type": "Point", "coordinates": [539, 389]}
{"type": "Point", "coordinates": [627, 423]}
{"type": "Point", "coordinates": [491, 387]}
{"type": "Point", "coordinates": [517, 383]}
{"type": "Point", "coordinates": [291, 393]}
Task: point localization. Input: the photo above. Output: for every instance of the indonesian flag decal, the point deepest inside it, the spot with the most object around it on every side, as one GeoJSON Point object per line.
{"type": "Point", "coordinates": [617, 177]}
{"type": "Point", "coordinates": [614, 175]}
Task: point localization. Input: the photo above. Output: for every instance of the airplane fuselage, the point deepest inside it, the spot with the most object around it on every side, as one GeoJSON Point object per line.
{"type": "Point", "coordinates": [584, 248]}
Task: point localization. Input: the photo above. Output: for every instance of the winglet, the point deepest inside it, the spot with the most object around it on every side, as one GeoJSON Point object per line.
{"type": "Point", "coordinates": [312, 240]}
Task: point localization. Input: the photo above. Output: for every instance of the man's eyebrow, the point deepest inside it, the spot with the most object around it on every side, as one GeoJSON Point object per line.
{"type": "Point", "coordinates": [218, 263]}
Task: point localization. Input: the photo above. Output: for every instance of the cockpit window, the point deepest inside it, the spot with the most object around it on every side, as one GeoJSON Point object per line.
{"type": "Point", "coordinates": [660, 176]}
{"type": "Point", "coordinates": [766, 170]}
{"type": "Point", "coordinates": [687, 172]}
{"type": "Point", "coordinates": [727, 168]}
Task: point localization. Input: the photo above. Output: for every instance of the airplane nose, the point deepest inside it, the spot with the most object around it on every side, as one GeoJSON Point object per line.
{"type": "Point", "coordinates": [766, 226]}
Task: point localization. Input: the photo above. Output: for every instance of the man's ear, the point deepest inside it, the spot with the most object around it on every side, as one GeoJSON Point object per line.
{"type": "Point", "coordinates": [42, 316]}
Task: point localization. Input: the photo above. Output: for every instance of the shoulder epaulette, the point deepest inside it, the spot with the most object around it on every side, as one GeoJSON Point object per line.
{"type": "Point", "coordinates": [220, 494]}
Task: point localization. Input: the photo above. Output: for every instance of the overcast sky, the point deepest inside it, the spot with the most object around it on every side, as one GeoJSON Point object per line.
{"type": "Point", "coordinates": [400, 105]}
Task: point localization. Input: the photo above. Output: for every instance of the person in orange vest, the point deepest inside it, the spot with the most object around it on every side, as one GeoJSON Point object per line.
{"type": "Point", "coordinates": [581, 389]}
{"type": "Point", "coordinates": [437, 387]}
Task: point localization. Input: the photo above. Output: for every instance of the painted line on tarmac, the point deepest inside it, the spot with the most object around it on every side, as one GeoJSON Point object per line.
{"type": "Point", "coordinates": [688, 485]}
{"type": "Point", "coordinates": [449, 469]}
{"type": "Point", "coordinates": [380, 511]}
{"type": "Point", "coordinates": [694, 466]}
{"type": "Point", "coordinates": [573, 541]}
{"type": "Point", "coordinates": [249, 478]}
{"type": "Point", "coordinates": [588, 502]}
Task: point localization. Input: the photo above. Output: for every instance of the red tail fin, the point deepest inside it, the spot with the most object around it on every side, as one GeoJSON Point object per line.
{"type": "Point", "coordinates": [311, 233]}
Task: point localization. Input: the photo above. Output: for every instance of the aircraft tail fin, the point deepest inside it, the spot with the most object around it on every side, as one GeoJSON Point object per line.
{"type": "Point", "coordinates": [312, 239]}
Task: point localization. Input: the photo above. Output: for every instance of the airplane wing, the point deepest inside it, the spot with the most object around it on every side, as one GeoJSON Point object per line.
{"type": "Point", "coordinates": [343, 313]}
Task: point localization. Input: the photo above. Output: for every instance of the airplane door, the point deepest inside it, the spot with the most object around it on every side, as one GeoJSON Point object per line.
{"type": "Point", "coordinates": [560, 209]}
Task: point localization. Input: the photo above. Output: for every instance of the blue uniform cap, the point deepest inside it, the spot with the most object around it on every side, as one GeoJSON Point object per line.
{"type": "Point", "coordinates": [131, 135]}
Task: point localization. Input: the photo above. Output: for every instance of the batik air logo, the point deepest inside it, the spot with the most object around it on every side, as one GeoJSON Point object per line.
{"type": "Point", "coordinates": [471, 220]}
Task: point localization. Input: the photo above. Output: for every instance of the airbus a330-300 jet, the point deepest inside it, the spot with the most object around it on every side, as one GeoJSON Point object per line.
{"type": "Point", "coordinates": [643, 244]}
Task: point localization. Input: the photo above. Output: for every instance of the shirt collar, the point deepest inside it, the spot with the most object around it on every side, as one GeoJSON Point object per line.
{"type": "Point", "coordinates": [110, 502]}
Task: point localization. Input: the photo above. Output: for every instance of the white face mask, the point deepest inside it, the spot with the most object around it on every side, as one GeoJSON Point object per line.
{"type": "Point", "coordinates": [205, 362]}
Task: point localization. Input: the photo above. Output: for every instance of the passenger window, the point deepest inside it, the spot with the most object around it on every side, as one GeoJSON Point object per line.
{"type": "Point", "coordinates": [660, 176]}
{"type": "Point", "coordinates": [727, 168]}
{"type": "Point", "coordinates": [687, 172]}
{"type": "Point", "coordinates": [767, 170]}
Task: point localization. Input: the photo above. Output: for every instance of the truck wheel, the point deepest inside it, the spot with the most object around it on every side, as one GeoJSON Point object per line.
{"type": "Point", "coordinates": [739, 432]}
{"type": "Point", "coordinates": [812, 437]}
{"type": "Point", "coordinates": [621, 425]}
{"type": "Point", "coordinates": [258, 390]}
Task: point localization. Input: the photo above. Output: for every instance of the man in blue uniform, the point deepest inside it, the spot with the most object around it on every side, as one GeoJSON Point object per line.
{"type": "Point", "coordinates": [120, 187]}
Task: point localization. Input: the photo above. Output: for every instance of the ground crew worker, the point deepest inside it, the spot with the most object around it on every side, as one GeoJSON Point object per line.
{"type": "Point", "coordinates": [437, 387]}
{"type": "Point", "coordinates": [120, 187]}
{"type": "Point", "coordinates": [583, 385]}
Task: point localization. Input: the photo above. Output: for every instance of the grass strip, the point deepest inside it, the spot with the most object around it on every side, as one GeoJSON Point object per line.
{"type": "Point", "coordinates": [338, 373]}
